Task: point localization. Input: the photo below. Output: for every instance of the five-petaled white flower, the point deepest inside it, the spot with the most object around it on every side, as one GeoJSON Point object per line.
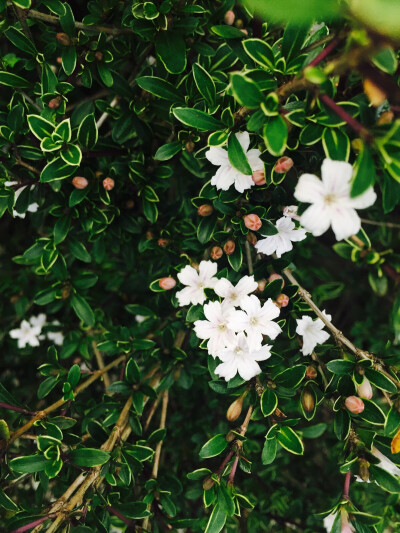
{"type": "Point", "coordinates": [215, 328]}
{"type": "Point", "coordinates": [240, 358]}
{"type": "Point", "coordinates": [27, 333]}
{"type": "Point", "coordinates": [331, 203]}
{"type": "Point", "coordinates": [234, 294]}
{"type": "Point", "coordinates": [312, 332]}
{"type": "Point", "coordinates": [228, 175]}
{"type": "Point", "coordinates": [256, 320]}
{"type": "Point", "coordinates": [196, 283]}
{"type": "Point", "coordinates": [281, 242]}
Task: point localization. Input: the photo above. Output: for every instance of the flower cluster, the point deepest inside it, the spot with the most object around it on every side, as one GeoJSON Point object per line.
{"type": "Point", "coordinates": [30, 332]}
{"type": "Point", "coordinates": [233, 327]}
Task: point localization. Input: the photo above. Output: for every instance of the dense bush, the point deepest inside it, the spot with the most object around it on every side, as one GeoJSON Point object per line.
{"type": "Point", "coordinates": [198, 333]}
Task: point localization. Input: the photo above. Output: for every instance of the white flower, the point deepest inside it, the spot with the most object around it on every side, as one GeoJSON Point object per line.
{"type": "Point", "coordinates": [385, 463]}
{"type": "Point", "coordinates": [234, 294]}
{"type": "Point", "coordinates": [328, 522]}
{"type": "Point", "coordinates": [241, 359]}
{"type": "Point", "coordinates": [312, 332]}
{"type": "Point", "coordinates": [32, 208]}
{"type": "Point", "coordinates": [140, 318]}
{"type": "Point", "coordinates": [331, 204]}
{"type": "Point", "coordinates": [227, 175]}
{"type": "Point", "coordinates": [196, 283]}
{"type": "Point", "coordinates": [150, 60]}
{"type": "Point", "coordinates": [38, 321]}
{"type": "Point", "coordinates": [291, 212]}
{"type": "Point", "coordinates": [215, 328]}
{"type": "Point", "coordinates": [56, 336]}
{"type": "Point", "coordinates": [256, 320]}
{"type": "Point", "coordinates": [26, 334]}
{"type": "Point", "coordinates": [281, 242]}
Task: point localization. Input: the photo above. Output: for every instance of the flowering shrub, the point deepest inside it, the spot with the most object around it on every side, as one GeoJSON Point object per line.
{"type": "Point", "coordinates": [200, 310]}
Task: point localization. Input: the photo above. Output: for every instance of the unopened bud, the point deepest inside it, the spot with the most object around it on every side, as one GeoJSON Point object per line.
{"type": "Point", "coordinates": [251, 238]}
{"type": "Point", "coordinates": [252, 221]}
{"type": "Point", "coordinates": [357, 144]}
{"type": "Point", "coordinates": [98, 174]}
{"type": "Point", "coordinates": [291, 212]}
{"type": "Point", "coordinates": [311, 372]}
{"type": "Point", "coordinates": [208, 483]}
{"type": "Point", "coordinates": [63, 38]}
{"type": "Point", "coordinates": [279, 413]}
{"type": "Point", "coordinates": [130, 204]}
{"type": "Point", "coordinates": [108, 184]}
{"type": "Point", "coordinates": [229, 247]}
{"type": "Point", "coordinates": [229, 17]}
{"type": "Point", "coordinates": [364, 470]}
{"type": "Point", "coordinates": [54, 103]}
{"type": "Point", "coordinates": [189, 146]}
{"type": "Point", "coordinates": [98, 55]}
{"type": "Point", "coordinates": [167, 283]}
{"type": "Point", "coordinates": [205, 210]}
{"type": "Point", "coordinates": [230, 436]}
{"type": "Point", "coordinates": [375, 95]}
{"type": "Point", "coordinates": [235, 409]}
{"type": "Point", "coordinates": [386, 118]}
{"type": "Point", "coordinates": [162, 242]}
{"type": "Point", "coordinates": [283, 165]}
{"type": "Point", "coordinates": [149, 235]}
{"type": "Point", "coordinates": [308, 401]}
{"type": "Point", "coordinates": [244, 31]}
{"type": "Point", "coordinates": [275, 276]}
{"type": "Point", "coordinates": [65, 292]}
{"type": "Point", "coordinates": [354, 404]}
{"type": "Point", "coordinates": [258, 177]}
{"type": "Point", "coordinates": [365, 390]}
{"type": "Point", "coordinates": [216, 253]}
{"type": "Point", "coordinates": [261, 284]}
{"type": "Point", "coordinates": [4, 431]}
{"type": "Point", "coordinates": [282, 300]}
{"type": "Point", "coordinates": [59, 60]}
{"type": "Point", "coordinates": [79, 182]}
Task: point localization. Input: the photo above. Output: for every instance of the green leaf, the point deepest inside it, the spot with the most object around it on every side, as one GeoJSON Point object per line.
{"type": "Point", "coordinates": [206, 228]}
{"type": "Point", "coordinates": [132, 372]}
{"type": "Point", "coordinates": [386, 60]}
{"type": "Point", "coordinates": [68, 59]}
{"type": "Point", "coordinates": [246, 91]}
{"type": "Point", "coordinates": [336, 144]}
{"type": "Point", "coordinates": [342, 424]}
{"type": "Point", "coordinates": [197, 119]}
{"type": "Point", "coordinates": [24, 4]}
{"type": "Point", "coordinates": [236, 259]}
{"type": "Point", "coordinates": [237, 156]}
{"type": "Point", "coordinates": [88, 457]}
{"type": "Point", "coordinates": [105, 74]}
{"type": "Point", "coordinates": [40, 127]}
{"type": "Point", "coordinates": [269, 451]}
{"type": "Point", "coordinates": [82, 309]}
{"type": "Point", "coordinates": [385, 480]}
{"type": "Point", "coordinates": [12, 80]}
{"type": "Point", "coordinates": [168, 150]}
{"type": "Point", "coordinates": [198, 474]}
{"type": "Point", "coordinates": [216, 521]}
{"type": "Point", "coordinates": [19, 40]}
{"type": "Point", "coordinates": [268, 402]}
{"type": "Point", "coordinates": [171, 50]}
{"type": "Point", "coordinates": [380, 381]}
{"type": "Point", "coordinates": [61, 228]}
{"type": "Point", "coordinates": [160, 88]}
{"type": "Point", "coordinates": [67, 20]}
{"type": "Point", "coordinates": [275, 135]}
{"type": "Point", "coordinates": [213, 447]}
{"type": "Point", "coordinates": [72, 154]}
{"type": "Point", "coordinates": [293, 39]}
{"type": "Point", "coordinates": [141, 453]}
{"type": "Point", "coordinates": [133, 510]}
{"type": "Point", "coordinates": [225, 499]}
{"type": "Point", "coordinates": [372, 413]}
{"type": "Point", "coordinates": [74, 375]}
{"type": "Point", "coordinates": [260, 52]}
{"type": "Point", "coordinates": [227, 32]}
{"type": "Point", "coordinates": [205, 84]}
{"type": "Point", "coordinates": [87, 132]}
{"type": "Point", "coordinates": [56, 170]}
{"type": "Point", "coordinates": [6, 502]}
{"type": "Point", "coordinates": [289, 440]}
{"type": "Point", "coordinates": [46, 387]}
{"type": "Point", "coordinates": [78, 250]}
{"type": "Point", "coordinates": [291, 377]}
{"type": "Point", "coordinates": [364, 171]}
{"type": "Point", "coordinates": [293, 10]}
{"type": "Point", "coordinates": [341, 367]}
{"type": "Point", "coordinates": [28, 464]}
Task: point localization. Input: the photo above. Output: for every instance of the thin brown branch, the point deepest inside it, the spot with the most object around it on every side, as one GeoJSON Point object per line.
{"type": "Point", "coordinates": [100, 364]}
{"type": "Point", "coordinates": [151, 413]}
{"type": "Point", "coordinates": [378, 223]}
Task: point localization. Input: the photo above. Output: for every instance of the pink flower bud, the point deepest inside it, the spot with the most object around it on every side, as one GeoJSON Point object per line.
{"type": "Point", "coordinates": [311, 372]}
{"type": "Point", "coordinates": [229, 247]}
{"type": "Point", "coordinates": [274, 276]}
{"type": "Point", "coordinates": [261, 284]}
{"type": "Point", "coordinates": [284, 164]}
{"type": "Point", "coordinates": [216, 253]}
{"type": "Point", "coordinates": [244, 31]}
{"type": "Point", "coordinates": [229, 17]}
{"type": "Point", "coordinates": [205, 210]}
{"type": "Point", "coordinates": [282, 300]}
{"type": "Point", "coordinates": [354, 404]}
{"type": "Point", "coordinates": [258, 177]}
{"type": "Point", "coordinates": [54, 103]}
{"type": "Point", "coordinates": [108, 184]}
{"type": "Point", "coordinates": [162, 242]}
{"type": "Point", "coordinates": [80, 183]}
{"type": "Point", "coordinates": [63, 38]}
{"type": "Point", "coordinates": [365, 390]}
{"type": "Point", "coordinates": [98, 55]}
{"type": "Point", "coordinates": [252, 222]}
{"type": "Point", "coordinates": [167, 283]}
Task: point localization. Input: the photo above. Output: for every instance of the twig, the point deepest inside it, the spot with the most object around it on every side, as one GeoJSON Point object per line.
{"type": "Point", "coordinates": [151, 413]}
{"type": "Point", "coordinates": [326, 51]}
{"type": "Point", "coordinates": [104, 116]}
{"type": "Point", "coordinates": [16, 409]}
{"type": "Point", "coordinates": [346, 486]}
{"type": "Point", "coordinates": [383, 224]}
{"type": "Point", "coordinates": [100, 364]}
{"type": "Point", "coordinates": [22, 16]}
{"type": "Point", "coordinates": [53, 407]}
{"type": "Point", "coordinates": [248, 257]}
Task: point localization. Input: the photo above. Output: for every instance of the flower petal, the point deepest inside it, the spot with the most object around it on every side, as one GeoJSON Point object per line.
{"type": "Point", "coordinates": [204, 329]}
{"type": "Point", "coordinates": [223, 287]}
{"type": "Point", "coordinates": [188, 276]}
{"type": "Point", "coordinates": [191, 295]}
{"type": "Point", "coordinates": [316, 219]}
{"type": "Point", "coordinates": [345, 222]}
{"type": "Point", "coordinates": [208, 269]}
{"type": "Point", "coordinates": [364, 200]}
{"type": "Point", "coordinates": [238, 320]}
{"type": "Point", "coordinates": [244, 139]}
{"type": "Point", "coordinates": [268, 245]}
{"type": "Point", "coordinates": [246, 285]}
{"type": "Point", "coordinates": [248, 368]}
{"type": "Point", "coordinates": [309, 189]}
{"type": "Point", "coordinates": [217, 155]}
{"type": "Point", "coordinates": [243, 182]}
{"type": "Point", "coordinates": [254, 159]}
{"type": "Point", "coordinates": [336, 176]}
{"type": "Point", "coordinates": [224, 178]}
